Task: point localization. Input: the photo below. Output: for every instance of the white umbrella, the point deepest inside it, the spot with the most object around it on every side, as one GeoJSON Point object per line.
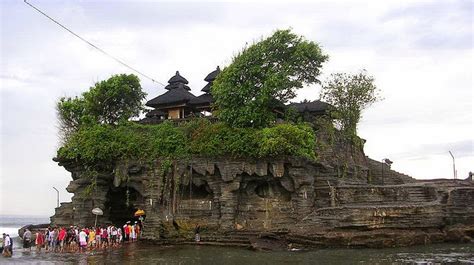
{"type": "Point", "coordinates": [97, 211]}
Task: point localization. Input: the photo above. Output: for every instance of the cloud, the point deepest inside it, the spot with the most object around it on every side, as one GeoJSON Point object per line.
{"type": "Point", "coordinates": [435, 24]}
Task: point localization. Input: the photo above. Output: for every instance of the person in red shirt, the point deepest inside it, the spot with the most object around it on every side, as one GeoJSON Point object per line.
{"type": "Point", "coordinates": [39, 242]}
{"type": "Point", "coordinates": [62, 239]}
{"type": "Point", "coordinates": [104, 237]}
{"type": "Point", "coordinates": [127, 231]}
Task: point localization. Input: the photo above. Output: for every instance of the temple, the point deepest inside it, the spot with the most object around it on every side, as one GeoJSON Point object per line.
{"type": "Point", "coordinates": [174, 103]}
{"type": "Point", "coordinates": [178, 103]}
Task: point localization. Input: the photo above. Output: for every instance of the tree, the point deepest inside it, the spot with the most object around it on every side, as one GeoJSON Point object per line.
{"type": "Point", "coordinates": [70, 113]}
{"type": "Point", "coordinates": [107, 102]}
{"type": "Point", "coordinates": [263, 74]}
{"type": "Point", "coordinates": [117, 98]}
{"type": "Point", "coordinates": [349, 95]}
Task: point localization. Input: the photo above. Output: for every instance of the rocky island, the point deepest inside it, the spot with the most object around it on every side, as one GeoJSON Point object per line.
{"type": "Point", "coordinates": [285, 176]}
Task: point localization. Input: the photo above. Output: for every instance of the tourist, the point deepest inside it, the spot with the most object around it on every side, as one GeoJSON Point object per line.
{"type": "Point", "coordinates": [51, 240]}
{"type": "Point", "coordinates": [46, 238]}
{"type": "Point", "coordinates": [82, 240]}
{"type": "Point", "coordinates": [119, 235]}
{"type": "Point", "coordinates": [3, 240]}
{"type": "Point", "coordinates": [56, 239]}
{"type": "Point", "coordinates": [39, 241]}
{"type": "Point", "coordinates": [133, 234]}
{"type": "Point", "coordinates": [97, 237]}
{"type": "Point", "coordinates": [126, 231]}
{"type": "Point", "coordinates": [104, 237]}
{"type": "Point", "coordinates": [137, 230]}
{"type": "Point", "coordinates": [197, 236]}
{"type": "Point", "coordinates": [109, 234]}
{"type": "Point", "coordinates": [76, 234]}
{"type": "Point", "coordinates": [129, 227]}
{"type": "Point", "coordinates": [91, 239]}
{"type": "Point", "coordinates": [62, 239]}
{"type": "Point", "coordinates": [27, 239]}
{"type": "Point", "coordinates": [7, 248]}
{"type": "Point", "coordinates": [113, 236]}
{"type": "Point", "coordinates": [71, 239]}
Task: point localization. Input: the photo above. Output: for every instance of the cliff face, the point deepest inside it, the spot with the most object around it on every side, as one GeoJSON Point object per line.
{"type": "Point", "coordinates": [302, 202]}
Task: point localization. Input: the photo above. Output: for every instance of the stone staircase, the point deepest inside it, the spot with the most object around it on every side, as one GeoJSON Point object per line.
{"type": "Point", "coordinates": [421, 194]}
{"type": "Point", "coordinates": [386, 176]}
{"type": "Point", "coordinates": [152, 227]}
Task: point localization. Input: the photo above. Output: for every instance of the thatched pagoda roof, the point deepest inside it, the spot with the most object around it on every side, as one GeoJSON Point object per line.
{"type": "Point", "coordinates": [207, 88]}
{"type": "Point", "coordinates": [210, 78]}
{"type": "Point", "coordinates": [176, 80]}
{"type": "Point", "coordinates": [204, 99]}
{"type": "Point", "coordinates": [212, 75]}
{"type": "Point", "coordinates": [174, 96]}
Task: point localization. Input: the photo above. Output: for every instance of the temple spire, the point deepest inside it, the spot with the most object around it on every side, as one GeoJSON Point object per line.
{"type": "Point", "coordinates": [177, 81]}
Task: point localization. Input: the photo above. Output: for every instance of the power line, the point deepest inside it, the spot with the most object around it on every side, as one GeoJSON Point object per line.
{"type": "Point", "coordinates": [94, 46]}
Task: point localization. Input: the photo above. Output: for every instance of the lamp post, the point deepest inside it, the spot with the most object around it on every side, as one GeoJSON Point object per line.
{"type": "Point", "coordinates": [57, 197]}
{"type": "Point", "coordinates": [454, 165]}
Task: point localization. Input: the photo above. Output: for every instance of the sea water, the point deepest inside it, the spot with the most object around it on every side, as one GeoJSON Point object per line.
{"type": "Point", "coordinates": [142, 253]}
{"type": "Point", "coordinates": [10, 225]}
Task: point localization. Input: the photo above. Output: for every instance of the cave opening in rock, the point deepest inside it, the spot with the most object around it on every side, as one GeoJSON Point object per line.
{"type": "Point", "coordinates": [117, 207]}
{"type": "Point", "coordinates": [272, 190]}
{"type": "Point", "coordinates": [198, 189]}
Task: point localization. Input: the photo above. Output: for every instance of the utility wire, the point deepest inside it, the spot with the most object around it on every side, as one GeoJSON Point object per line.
{"type": "Point", "coordinates": [94, 46]}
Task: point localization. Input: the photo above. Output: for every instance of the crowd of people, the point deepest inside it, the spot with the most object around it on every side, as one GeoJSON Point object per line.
{"type": "Point", "coordinates": [77, 239]}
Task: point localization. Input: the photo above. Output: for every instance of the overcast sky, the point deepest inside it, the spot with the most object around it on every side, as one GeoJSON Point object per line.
{"type": "Point", "coordinates": [421, 54]}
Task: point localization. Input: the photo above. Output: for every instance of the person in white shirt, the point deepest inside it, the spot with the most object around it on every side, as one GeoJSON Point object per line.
{"type": "Point", "coordinates": [82, 240]}
{"type": "Point", "coordinates": [7, 249]}
{"type": "Point", "coordinates": [52, 240]}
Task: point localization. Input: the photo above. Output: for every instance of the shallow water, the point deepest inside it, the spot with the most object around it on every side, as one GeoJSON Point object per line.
{"type": "Point", "coordinates": [142, 253]}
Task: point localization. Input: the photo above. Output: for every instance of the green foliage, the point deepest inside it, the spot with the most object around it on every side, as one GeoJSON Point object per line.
{"type": "Point", "coordinates": [106, 143]}
{"type": "Point", "coordinates": [165, 167]}
{"type": "Point", "coordinates": [219, 139]}
{"type": "Point", "coordinates": [349, 94]}
{"type": "Point", "coordinates": [288, 139]}
{"type": "Point", "coordinates": [108, 102]}
{"type": "Point", "coordinates": [90, 174]}
{"type": "Point", "coordinates": [291, 115]}
{"type": "Point", "coordinates": [102, 142]}
{"type": "Point", "coordinates": [262, 74]}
